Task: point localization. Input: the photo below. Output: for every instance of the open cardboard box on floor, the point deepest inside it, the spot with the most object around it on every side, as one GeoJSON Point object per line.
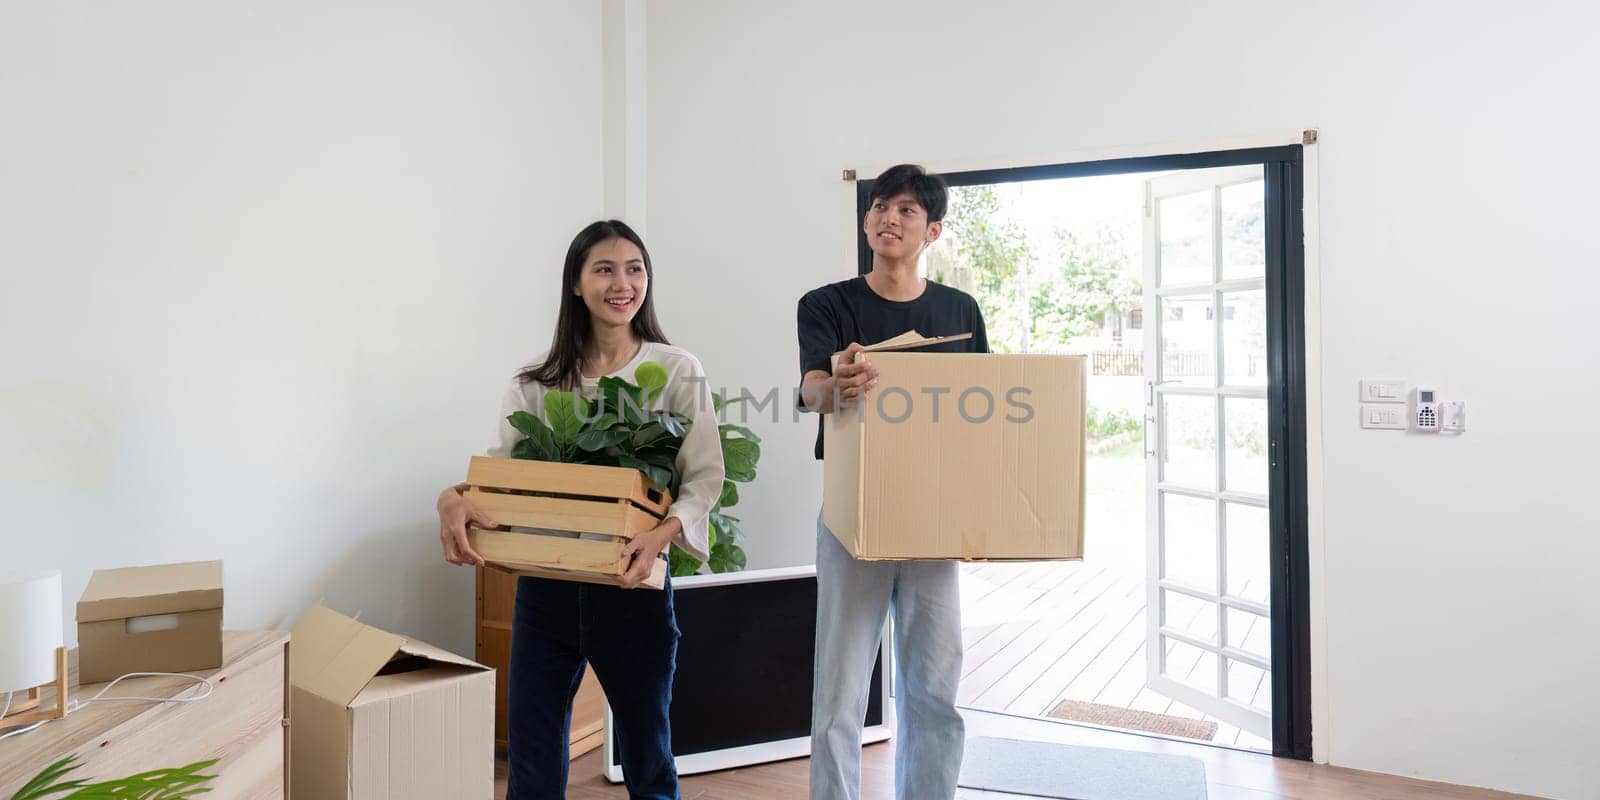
{"type": "Point", "coordinates": [375, 715]}
{"type": "Point", "coordinates": [969, 456]}
{"type": "Point", "coordinates": [165, 618]}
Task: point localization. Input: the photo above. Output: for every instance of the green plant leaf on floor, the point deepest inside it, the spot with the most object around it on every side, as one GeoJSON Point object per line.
{"type": "Point", "coordinates": [160, 784]}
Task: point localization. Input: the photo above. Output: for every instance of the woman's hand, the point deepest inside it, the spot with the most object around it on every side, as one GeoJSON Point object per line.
{"type": "Point", "coordinates": [455, 513]}
{"type": "Point", "coordinates": [645, 548]}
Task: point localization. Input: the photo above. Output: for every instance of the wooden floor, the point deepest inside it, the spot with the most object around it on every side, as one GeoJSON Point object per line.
{"type": "Point", "coordinates": [1036, 634]}
{"type": "Point", "coordinates": [1231, 774]}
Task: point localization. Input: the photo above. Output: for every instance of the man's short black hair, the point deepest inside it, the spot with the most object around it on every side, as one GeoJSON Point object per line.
{"type": "Point", "coordinates": [928, 188]}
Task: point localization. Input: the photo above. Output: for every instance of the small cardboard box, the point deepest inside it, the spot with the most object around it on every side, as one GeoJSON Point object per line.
{"type": "Point", "coordinates": [969, 456]}
{"type": "Point", "coordinates": [164, 618]}
{"type": "Point", "coordinates": [374, 715]}
{"type": "Point", "coordinates": [563, 521]}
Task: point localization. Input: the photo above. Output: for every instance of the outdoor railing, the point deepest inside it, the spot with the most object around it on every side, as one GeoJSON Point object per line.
{"type": "Point", "coordinates": [1178, 363]}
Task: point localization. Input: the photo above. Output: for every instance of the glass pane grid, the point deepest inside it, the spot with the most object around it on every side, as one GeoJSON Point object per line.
{"type": "Point", "coordinates": [1186, 238]}
{"type": "Point", "coordinates": [1232, 377]}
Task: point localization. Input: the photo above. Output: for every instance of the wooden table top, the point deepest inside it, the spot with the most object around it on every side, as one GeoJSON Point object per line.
{"type": "Point", "coordinates": [24, 755]}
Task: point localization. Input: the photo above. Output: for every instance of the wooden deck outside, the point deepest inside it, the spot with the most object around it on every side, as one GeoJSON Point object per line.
{"type": "Point", "coordinates": [1037, 634]}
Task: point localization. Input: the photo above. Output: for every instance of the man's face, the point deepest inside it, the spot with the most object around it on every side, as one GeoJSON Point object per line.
{"type": "Point", "coordinates": [897, 227]}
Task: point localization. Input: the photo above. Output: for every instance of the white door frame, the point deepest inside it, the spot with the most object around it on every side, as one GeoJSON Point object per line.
{"type": "Point", "coordinates": [1310, 141]}
{"type": "Point", "coordinates": [1217, 703]}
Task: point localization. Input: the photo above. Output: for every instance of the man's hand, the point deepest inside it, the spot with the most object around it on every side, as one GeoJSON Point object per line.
{"type": "Point", "coordinates": [850, 381]}
{"type": "Point", "coordinates": [645, 549]}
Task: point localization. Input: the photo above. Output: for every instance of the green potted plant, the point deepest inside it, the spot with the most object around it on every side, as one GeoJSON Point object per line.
{"type": "Point", "coordinates": [623, 434]}
{"type": "Point", "coordinates": [160, 784]}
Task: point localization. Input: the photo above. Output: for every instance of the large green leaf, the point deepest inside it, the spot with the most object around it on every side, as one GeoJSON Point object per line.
{"type": "Point", "coordinates": [527, 424]}
{"type": "Point", "coordinates": [675, 424]}
{"type": "Point", "coordinates": [652, 378]}
{"type": "Point", "coordinates": [49, 780]}
{"type": "Point", "coordinates": [728, 427]}
{"type": "Point", "coordinates": [160, 784]}
{"type": "Point", "coordinates": [634, 415]}
{"type": "Point", "coordinates": [605, 421]}
{"type": "Point", "coordinates": [718, 402]}
{"type": "Point", "coordinates": [601, 439]}
{"type": "Point", "coordinates": [562, 409]}
{"type": "Point", "coordinates": [728, 529]}
{"type": "Point", "coordinates": [621, 399]}
{"type": "Point", "coordinates": [650, 435]}
{"type": "Point", "coordinates": [611, 387]}
{"type": "Point", "coordinates": [669, 445]}
{"type": "Point", "coordinates": [680, 564]}
{"type": "Point", "coordinates": [663, 477]}
{"type": "Point", "coordinates": [667, 478]}
{"type": "Point", "coordinates": [730, 495]}
{"type": "Point", "coordinates": [529, 450]}
{"type": "Point", "coordinates": [541, 439]}
{"type": "Point", "coordinates": [600, 458]}
{"type": "Point", "coordinates": [739, 458]}
{"type": "Point", "coordinates": [727, 557]}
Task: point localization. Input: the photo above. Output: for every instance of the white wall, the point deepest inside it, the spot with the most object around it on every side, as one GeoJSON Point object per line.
{"type": "Point", "coordinates": [265, 271]}
{"type": "Point", "coordinates": [1462, 635]}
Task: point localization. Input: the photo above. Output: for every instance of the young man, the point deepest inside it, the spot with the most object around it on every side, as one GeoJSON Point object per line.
{"type": "Point", "coordinates": [853, 596]}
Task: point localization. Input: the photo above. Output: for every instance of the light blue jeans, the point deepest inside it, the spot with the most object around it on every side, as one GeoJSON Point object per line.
{"type": "Point", "coordinates": [852, 598]}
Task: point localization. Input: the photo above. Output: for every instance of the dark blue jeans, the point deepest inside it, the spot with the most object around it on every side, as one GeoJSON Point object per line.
{"type": "Point", "coordinates": [630, 636]}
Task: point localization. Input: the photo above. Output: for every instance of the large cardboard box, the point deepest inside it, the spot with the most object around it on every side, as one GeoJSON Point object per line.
{"type": "Point", "coordinates": [374, 715]}
{"type": "Point", "coordinates": [165, 618]}
{"type": "Point", "coordinates": [563, 521]}
{"type": "Point", "coordinates": [969, 456]}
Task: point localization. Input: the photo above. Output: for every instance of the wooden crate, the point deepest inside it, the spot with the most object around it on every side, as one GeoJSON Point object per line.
{"type": "Point", "coordinates": [538, 506]}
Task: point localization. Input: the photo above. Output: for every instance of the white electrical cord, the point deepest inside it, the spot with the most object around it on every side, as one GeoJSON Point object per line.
{"type": "Point", "coordinates": [99, 696]}
{"type": "Point", "coordinates": [74, 705]}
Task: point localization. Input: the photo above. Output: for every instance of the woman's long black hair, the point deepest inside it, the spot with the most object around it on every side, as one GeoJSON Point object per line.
{"type": "Point", "coordinates": [560, 368]}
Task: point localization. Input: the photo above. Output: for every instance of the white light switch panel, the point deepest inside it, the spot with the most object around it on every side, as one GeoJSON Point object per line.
{"type": "Point", "coordinates": [1383, 391]}
{"type": "Point", "coordinates": [1383, 416]}
{"type": "Point", "coordinates": [1453, 416]}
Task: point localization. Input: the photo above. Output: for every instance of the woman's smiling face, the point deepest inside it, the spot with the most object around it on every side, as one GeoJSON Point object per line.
{"type": "Point", "coordinates": [613, 281]}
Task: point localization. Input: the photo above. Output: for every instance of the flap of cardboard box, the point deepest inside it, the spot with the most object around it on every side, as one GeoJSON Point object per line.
{"type": "Point", "coordinates": [143, 591]}
{"type": "Point", "coordinates": [909, 340]}
{"type": "Point", "coordinates": [334, 657]}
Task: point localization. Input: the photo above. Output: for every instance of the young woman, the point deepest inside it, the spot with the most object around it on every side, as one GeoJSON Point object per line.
{"type": "Point", "coordinates": [607, 326]}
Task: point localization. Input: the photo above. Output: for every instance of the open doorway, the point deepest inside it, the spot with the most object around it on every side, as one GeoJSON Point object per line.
{"type": "Point", "coordinates": [1175, 278]}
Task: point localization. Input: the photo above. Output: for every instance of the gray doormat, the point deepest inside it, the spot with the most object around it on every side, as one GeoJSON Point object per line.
{"type": "Point", "coordinates": [1074, 772]}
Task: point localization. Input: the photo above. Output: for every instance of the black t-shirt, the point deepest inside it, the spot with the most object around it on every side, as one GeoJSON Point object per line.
{"type": "Point", "coordinates": [833, 316]}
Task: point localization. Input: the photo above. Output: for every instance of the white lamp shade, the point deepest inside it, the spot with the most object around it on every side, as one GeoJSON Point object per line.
{"type": "Point", "coordinates": [30, 628]}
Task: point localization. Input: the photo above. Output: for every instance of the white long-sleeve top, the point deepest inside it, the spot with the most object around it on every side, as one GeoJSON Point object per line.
{"type": "Point", "coordinates": [688, 393]}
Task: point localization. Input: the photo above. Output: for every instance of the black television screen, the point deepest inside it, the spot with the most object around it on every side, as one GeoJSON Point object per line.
{"type": "Point", "coordinates": [742, 690]}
